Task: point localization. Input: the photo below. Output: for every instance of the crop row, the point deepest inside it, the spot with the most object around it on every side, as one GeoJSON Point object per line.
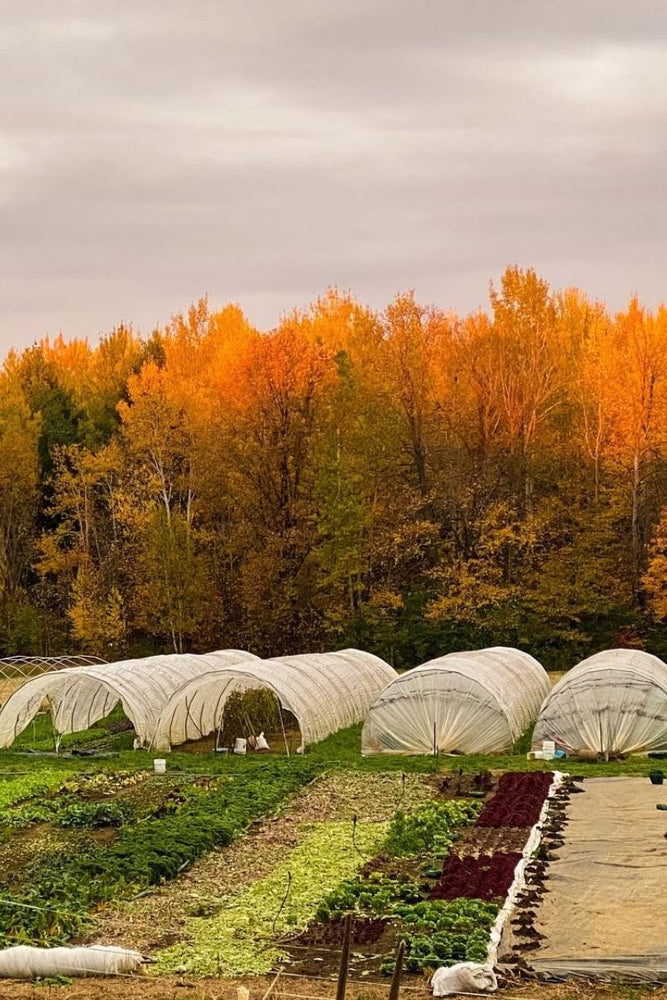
{"type": "Point", "coordinates": [435, 932]}
{"type": "Point", "coordinates": [237, 933]}
{"type": "Point", "coordinates": [517, 803]}
{"type": "Point", "coordinates": [487, 877]}
{"type": "Point", "coordinates": [25, 786]}
{"type": "Point", "coordinates": [518, 800]}
{"type": "Point", "coordinates": [63, 889]}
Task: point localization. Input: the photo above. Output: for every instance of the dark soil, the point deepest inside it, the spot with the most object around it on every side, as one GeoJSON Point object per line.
{"type": "Point", "coordinates": [402, 869]}
{"type": "Point", "coordinates": [491, 840]}
{"type": "Point", "coordinates": [464, 784]}
{"type": "Point", "coordinates": [316, 951]}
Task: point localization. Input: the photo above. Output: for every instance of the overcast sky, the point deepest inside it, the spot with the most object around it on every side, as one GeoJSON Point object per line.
{"type": "Point", "coordinates": [258, 151]}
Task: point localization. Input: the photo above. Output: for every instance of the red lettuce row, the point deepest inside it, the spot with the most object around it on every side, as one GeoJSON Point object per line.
{"type": "Point", "coordinates": [518, 800]}
{"type": "Point", "coordinates": [486, 877]}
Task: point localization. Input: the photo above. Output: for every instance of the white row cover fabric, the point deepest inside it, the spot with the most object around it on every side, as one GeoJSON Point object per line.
{"type": "Point", "coordinates": [81, 696]}
{"type": "Point", "coordinates": [26, 962]}
{"type": "Point", "coordinates": [479, 701]}
{"type": "Point", "coordinates": [612, 702]}
{"type": "Point", "coordinates": [324, 691]}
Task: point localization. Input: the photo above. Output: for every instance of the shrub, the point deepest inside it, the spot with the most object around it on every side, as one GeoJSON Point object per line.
{"type": "Point", "coordinates": [250, 711]}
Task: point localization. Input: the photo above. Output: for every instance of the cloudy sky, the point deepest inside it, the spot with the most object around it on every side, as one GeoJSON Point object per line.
{"type": "Point", "coordinates": [259, 151]}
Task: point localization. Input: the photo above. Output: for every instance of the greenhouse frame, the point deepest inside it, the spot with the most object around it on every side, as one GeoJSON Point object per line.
{"type": "Point", "coordinates": [325, 692]}
{"type": "Point", "coordinates": [614, 702]}
{"type": "Point", "coordinates": [78, 697]}
{"type": "Point", "coordinates": [478, 701]}
{"type": "Point", "coordinates": [15, 670]}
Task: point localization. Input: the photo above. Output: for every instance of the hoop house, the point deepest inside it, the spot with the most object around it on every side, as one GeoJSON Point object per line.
{"type": "Point", "coordinates": [80, 696]}
{"type": "Point", "coordinates": [612, 702]}
{"type": "Point", "coordinates": [324, 691]}
{"type": "Point", "coordinates": [473, 702]}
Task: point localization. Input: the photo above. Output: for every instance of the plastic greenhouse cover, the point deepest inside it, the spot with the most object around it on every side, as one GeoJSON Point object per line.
{"type": "Point", "coordinates": [80, 696]}
{"type": "Point", "coordinates": [479, 701]}
{"type": "Point", "coordinates": [612, 702]}
{"type": "Point", "coordinates": [324, 691]}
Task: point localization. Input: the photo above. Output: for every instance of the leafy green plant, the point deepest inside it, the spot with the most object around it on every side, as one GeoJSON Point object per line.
{"type": "Point", "coordinates": [26, 786]}
{"type": "Point", "coordinates": [431, 829]}
{"type": "Point", "coordinates": [63, 888]}
{"type": "Point", "coordinates": [26, 815]}
{"type": "Point", "coordinates": [375, 895]}
{"type": "Point", "coordinates": [443, 933]}
{"type": "Point", "coordinates": [95, 814]}
{"type": "Point", "coordinates": [238, 937]}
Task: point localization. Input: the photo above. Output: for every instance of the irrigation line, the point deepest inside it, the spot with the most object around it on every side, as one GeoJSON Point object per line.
{"type": "Point", "coordinates": [359, 982]}
{"type": "Point", "coordinates": [321, 947]}
{"type": "Point", "coordinates": [289, 886]}
{"type": "Point", "coordinates": [355, 820]}
{"type": "Point", "coordinates": [41, 909]}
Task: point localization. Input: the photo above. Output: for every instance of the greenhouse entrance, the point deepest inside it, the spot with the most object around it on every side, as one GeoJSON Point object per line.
{"type": "Point", "coordinates": [252, 721]}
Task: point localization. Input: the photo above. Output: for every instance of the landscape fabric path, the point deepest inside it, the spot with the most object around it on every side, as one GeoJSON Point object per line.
{"type": "Point", "coordinates": [605, 909]}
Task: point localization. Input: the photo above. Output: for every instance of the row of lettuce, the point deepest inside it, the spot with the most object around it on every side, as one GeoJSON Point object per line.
{"type": "Point", "coordinates": [445, 911]}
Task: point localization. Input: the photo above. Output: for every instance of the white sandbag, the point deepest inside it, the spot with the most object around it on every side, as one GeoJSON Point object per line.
{"type": "Point", "coordinates": [466, 977]}
{"type": "Point", "coordinates": [25, 962]}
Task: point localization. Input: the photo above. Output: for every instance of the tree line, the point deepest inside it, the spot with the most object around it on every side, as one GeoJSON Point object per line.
{"type": "Point", "coordinates": [410, 482]}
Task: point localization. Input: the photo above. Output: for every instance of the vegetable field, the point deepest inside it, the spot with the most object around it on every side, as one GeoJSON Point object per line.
{"type": "Point", "coordinates": [237, 867]}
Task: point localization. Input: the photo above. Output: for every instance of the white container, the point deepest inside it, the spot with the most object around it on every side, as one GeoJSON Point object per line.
{"type": "Point", "coordinates": [159, 766]}
{"type": "Point", "coordinates": [240, 745]}
{"type": "Point", "coordinates": [549, 746]}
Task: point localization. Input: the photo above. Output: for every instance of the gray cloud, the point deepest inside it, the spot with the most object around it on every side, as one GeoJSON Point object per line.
{"type": "Point", "coordinates": [260, 151]}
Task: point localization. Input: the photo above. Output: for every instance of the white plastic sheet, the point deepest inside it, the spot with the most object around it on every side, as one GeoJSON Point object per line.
{"type": "Point", "coordinates": [81, 696]}
{"type": "Point", "coordinates": [324, 691]}
{"type": "Point", "coordinates": [473, 702]}
{"type": "Point", "coordinates": [25, 962]}
{"type": "Point", "coordinates": [612, 702]}
{"type": "Point", "coordinates": [465, 977]}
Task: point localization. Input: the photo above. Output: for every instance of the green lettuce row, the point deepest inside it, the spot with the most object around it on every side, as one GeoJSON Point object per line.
{"type": "Point", "coordinates": [239, 937]}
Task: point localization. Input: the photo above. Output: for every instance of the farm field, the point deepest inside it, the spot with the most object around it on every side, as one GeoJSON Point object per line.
{"type": "Point", "coordinates": [225, 868]}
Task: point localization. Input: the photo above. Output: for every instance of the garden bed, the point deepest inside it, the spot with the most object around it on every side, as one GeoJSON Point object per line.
{"type": "Point", "coordinates": [434, 885]}
{"type": "Point", "coordinates": [160, 918]}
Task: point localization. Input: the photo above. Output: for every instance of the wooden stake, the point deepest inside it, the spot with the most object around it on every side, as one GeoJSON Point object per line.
{"type": "Point", "coordinates": [272, 984]}
{"type": "Point", "coordinates": [344, 958]}
{"type": "Point", "coordinates": [398, 972]}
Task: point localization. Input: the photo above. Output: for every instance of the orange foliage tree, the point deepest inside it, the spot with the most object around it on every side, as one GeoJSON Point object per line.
{"type": "Point", "coordinates": [410, 480]}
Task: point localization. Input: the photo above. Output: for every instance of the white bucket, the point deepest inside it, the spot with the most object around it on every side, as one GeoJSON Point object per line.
{"type": "Point", "coordinates": [239, 745]}
{"type": "Point", "coordinates": [160, 766]}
